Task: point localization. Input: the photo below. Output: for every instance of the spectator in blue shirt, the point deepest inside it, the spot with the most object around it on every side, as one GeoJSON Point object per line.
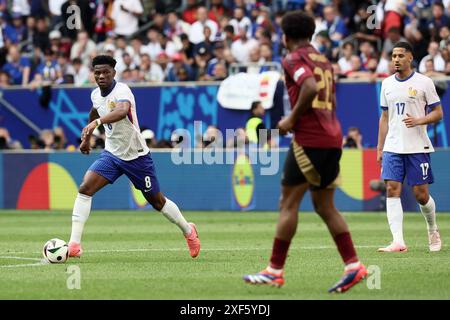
{"type": "Point", "coordinates": [218, 50]}
{"type": "Point", "coordinates": [38, 8]}
{"type": "Point", "coordinates": [180, 71]}
{"type": "Point", "coordinates": [15, 32]}
{"type": "Point", "coordinates": [314, 8]}
{"type": "Point", "coordinates": [335, 25]}
{"type": "Point", "coordinates": [438, 20]}
{"type": "Point", "coordinates": [48, 72]}
{"type": "Point", "coordinates": [295, 4]}
{"type": "Point", "coordinates": [17, 67]}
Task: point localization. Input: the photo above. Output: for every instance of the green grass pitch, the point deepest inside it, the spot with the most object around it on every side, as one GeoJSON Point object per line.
{"type": "Point", "coordinates": [140, 255]}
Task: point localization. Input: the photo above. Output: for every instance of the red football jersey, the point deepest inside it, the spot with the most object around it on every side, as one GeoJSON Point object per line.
{"type": "Point", "coordinates": [318, 127]}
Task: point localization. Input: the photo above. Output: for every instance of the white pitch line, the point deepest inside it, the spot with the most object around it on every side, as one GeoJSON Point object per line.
{"type": "Point", "coordinates": [43, 262]}
{"type": "Point", "coordinates": [16, 252]}
{"type": "Point", "coordinates": [40, 263]}
{"type": "Point", "coordinates": [19, 258]}
{"type": "Point", "coordinates": [215, 249]}
{"type": "Point", "coordinates": [205, 249]}
{"type": "Point", "coordinates": [24, 265]}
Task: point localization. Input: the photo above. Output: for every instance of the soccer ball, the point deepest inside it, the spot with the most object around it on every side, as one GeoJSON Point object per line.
{"type": "Point", "coordinates": [56, 251]}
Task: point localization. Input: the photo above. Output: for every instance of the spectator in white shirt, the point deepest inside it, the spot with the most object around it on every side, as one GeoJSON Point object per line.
{"type": "Point", "coordinates": [345, 61]}
{"type": "Point", "coordinates": [174, 28]}
{"type": "Point", "coordinates": [138, 48]}
{"type": "Point", "coordinates": [384, 66]}
{"type": "Point", "coordinates": [125, 14]}
{"type": "Point", "coordinates": [21, 6]}
{"type": "Point", "coordinates": [54, 7]}
{"type": "Point", "coordinates": [430, 71]}
{"type": "Point", "coordinates": [435, 55]}
{"type": "Point", "coordinates": [84, 48]}
{"type": "Point", "coordinates": [122, 47]}
{"type": "Point", "coordinates": [240, 21]}
{"type": "Point", "coordinates": [150, 71]}
{"type": "Point", "coordinates": [80, 72]}
{"type": "Point", "coordinates": [196, 31]}
{"type": "Point", "coordinates": [125, 62]}
{"type": "Point", "coordinates": [167, 45]}
{"type": "Point", "coordinates": [110, 50]}
{"type": "Point", "coordinates": [153, 48]}
{"type": "Point", "coordinates": [241, 47]}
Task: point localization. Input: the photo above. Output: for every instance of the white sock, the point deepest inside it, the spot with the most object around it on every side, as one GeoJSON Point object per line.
{"type": "Point", "coordinates": [429, 213]}
{"type": "Point", "coordinates": [277, 272]}
{"type": "Point", "coordinates": [174, 215]}
{"type": "Point", "coordinates": [81, 211]}
{"type": "Point", "coordinates": [352, 265]}
{"type": "Point", "coordinates": [395, 219]}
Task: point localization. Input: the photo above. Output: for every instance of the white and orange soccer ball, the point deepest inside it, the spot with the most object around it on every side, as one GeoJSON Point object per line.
{"type": "Point", "coordinates": [56, 251]}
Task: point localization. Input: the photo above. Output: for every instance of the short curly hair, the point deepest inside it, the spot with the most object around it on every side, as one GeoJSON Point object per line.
{"type": "Point", "coordinates": [298, 25]}
{"type": "Point", "coordinates": [104, 59]}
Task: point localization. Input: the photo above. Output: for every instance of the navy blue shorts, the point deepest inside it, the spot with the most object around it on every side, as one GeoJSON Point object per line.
{"type": "Point", "coordinates": [416, 167]}
{"type": "Point", "coordinates": [140, 171]}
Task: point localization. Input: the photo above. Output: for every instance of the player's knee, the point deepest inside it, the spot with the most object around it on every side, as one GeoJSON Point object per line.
{"type": "Point", "coordinates": [319, 207]}
{"type": "Point", "coordinates": [157, 204]}
{"type": "Point", "coordinates": [281, 204]}
{"type": "Point", "coordinates": [315, 205]}
{"type": "Point", "coordinates": [86, 190]}
{"type": "Point", "coordinates": [392, 190]}
{"type": "Point", "coordinates": [287, 206]}
{"type": "Point", "coordinates": [422, 197]}
{"type": "Point", "coordinates": [324, 210]}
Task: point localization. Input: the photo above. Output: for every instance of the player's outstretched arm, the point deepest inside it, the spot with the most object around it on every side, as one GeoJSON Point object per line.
{"type": "Point", "coordinates": [93, 116]}
{"type": "Point", "coordinates": [383, 127]}
{"type": "Point", "coordinates": [434, 116]}
{"type": "Point", "coordinates": [85, 146]}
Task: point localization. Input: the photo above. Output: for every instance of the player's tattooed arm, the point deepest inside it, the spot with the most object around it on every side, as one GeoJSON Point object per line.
{"type": "Point", "coordinates": [383, 128]}
{"type": "Point", "coordinates": [434, 116]}
{"type": "Point", "coordinates": [306, 96]}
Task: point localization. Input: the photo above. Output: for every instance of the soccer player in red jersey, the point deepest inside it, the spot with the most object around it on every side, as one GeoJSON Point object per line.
{"type": "Point", "coordinates": [313, 158]}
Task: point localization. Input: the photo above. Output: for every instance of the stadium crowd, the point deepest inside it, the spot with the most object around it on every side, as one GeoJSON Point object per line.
{"type": "Point", "coordinates": [43, 42]}
{"type": "Point", "coordinates": [55, 139]}
{"type": "Point", "coordinates": [48, 42]}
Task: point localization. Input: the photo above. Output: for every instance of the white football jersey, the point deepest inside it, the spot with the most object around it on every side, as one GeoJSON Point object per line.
{"type": "Point", "coordinates": [412, 95]}
{"type": "Point", "coordinates": [123, 138]}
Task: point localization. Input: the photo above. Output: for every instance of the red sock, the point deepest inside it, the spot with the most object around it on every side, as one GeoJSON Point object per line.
{"type": "Point", "coordinates": [345, 247]}
{"type": "Point", "coordinates": [279, 253]}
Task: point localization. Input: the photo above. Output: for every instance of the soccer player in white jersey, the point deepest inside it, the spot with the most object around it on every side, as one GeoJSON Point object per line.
{"type": "Point", "coordinates": [126, 152]}
{"type": "Point", "coordinates": [409, 102]}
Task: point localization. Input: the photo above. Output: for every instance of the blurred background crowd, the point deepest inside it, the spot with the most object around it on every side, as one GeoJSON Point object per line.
{"type": "Point", "coordinates": [48, 42]}
{"type": "Point", "coordinates": [44, 42]}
